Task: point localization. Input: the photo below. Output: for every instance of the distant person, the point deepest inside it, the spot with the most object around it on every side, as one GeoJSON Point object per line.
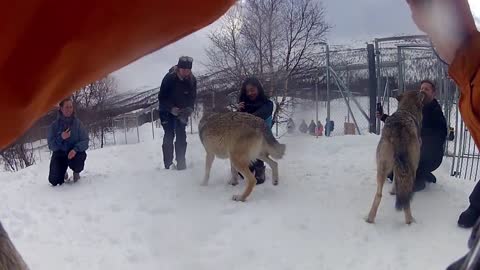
{"type": "Point", "coordinates": [319, 130]}
{"type": "Point", "coordinates": [68, 140]}
{"type": "Point", "coordinates": [176, 98]}
{"type": "Point", "coordinates": [303, 128]}
{"type": "Point", "coordinates": [290, 126]}
{"type": "Point", "coordinates": [254, 101]}
{"type": "Point", "coordinates": [329, 127]}
{"type": "Point", "coordinates": [433, 135]}
{"type": "Point", "coordinates": [312, 128]}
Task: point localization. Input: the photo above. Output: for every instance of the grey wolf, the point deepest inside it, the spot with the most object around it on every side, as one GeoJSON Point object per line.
{"type": "Point", "coordinates": [242, 138]}
{"type": "Point", "coordinates": [399, 150]}
{"type": "Point", "coordinates": [433, 134]}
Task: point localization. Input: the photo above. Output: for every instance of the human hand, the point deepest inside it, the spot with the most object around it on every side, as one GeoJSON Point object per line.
{"type": "Point", "coordinates": [175, 111]}
{"type": "Point", "coordinates": [72, 154]}
{"type": "Point", "coordinates": [66, 134]}
{"type": "Point", "coordinates": [447, 22]}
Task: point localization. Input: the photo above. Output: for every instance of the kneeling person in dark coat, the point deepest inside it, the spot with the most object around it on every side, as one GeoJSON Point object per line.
{"type": "Point", "coordinates": [433, 135]}
{"type": "Point", "coordinates": [254, 101]}
{"type": "Point", "coordinates": [68, 140]}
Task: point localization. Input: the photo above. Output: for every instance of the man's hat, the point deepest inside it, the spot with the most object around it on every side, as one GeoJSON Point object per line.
{"type": "Point", "coordinates": [185, 62]}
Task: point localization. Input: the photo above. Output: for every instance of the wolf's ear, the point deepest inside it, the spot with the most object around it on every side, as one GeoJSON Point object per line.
{"type": "Point", "coordinates": [421, 96]}
{"type": "Point", "coordinates": [399, 97]}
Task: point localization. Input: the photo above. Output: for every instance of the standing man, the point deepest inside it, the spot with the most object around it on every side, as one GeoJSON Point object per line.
{"type": "Point", "coordinates": [176, 100]}
{"type": "Point", "coordinates": [433, 134]}
{"type": "Point", "coordinates": [68, 140]}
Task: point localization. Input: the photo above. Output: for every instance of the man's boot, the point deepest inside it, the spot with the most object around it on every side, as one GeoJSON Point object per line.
{"type": "Point", "coordinates": [181, 165]}
{"type": "Point", "coordinates": [76, 177]}
{"type": "Point", "coordinates": [167, 150]}
{"type": "Point", "coordinates": [469, 217]}
{"type": "Point", "coordinates": [260, 174]}
{"type": "Point", "coordinates": [180, 152]}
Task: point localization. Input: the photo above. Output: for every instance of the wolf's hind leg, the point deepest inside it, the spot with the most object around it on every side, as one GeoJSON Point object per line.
{"type": "Point", "coordinates": [208, 166]}
{"type": "Point", "coordinates": [242, 166]}
{"type": "Point", "coordinates": [234, 177]}
{"type": "Point", "coordinates": [383, 167]}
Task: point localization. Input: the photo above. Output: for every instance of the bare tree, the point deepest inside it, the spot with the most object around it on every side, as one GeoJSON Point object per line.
{"type": "Point", "coordinates": [272, 39]}
{"type": "Point", "coordinates": [17, 156]}
{"type": "Point", "coordinates": [93, 106]}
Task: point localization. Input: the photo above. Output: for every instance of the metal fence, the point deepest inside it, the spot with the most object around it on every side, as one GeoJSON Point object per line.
{"type": "Point", "coordinates": [343, 86]}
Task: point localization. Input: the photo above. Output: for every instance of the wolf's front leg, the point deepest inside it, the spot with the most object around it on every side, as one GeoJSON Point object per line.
{"type": "Point", "coordinates": [234, 177]}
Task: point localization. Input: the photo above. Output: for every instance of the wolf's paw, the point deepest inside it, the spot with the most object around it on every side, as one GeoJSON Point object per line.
{"type": "Point", "coordinates": [369, 220]}
{"type": "Point", "coordinates": [410, 221]}
{"type": "Point", "coordinates": [233, 182]}
{"type": "Point", "coordinates": [275, 182]}
{"type": "Point", "coordinates": [238, 198]}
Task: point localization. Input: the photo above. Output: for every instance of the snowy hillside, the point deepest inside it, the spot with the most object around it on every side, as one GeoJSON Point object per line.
{"type": "Point", "coordinates": [129, 213]}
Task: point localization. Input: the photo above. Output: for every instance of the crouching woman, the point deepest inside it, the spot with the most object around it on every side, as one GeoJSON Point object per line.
{"type": "Point", "coordinates": [68, 140]}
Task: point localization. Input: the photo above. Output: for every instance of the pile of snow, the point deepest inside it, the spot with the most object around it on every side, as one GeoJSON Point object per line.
{"type": "Point", "coordinates": [127, 212]}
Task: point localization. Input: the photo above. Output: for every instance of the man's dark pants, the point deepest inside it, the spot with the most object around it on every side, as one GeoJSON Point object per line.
{"type": "Point", "coordinates": [173, 127]}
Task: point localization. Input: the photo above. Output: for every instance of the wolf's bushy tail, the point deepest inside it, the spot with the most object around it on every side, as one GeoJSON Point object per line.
{"type": "Point", "coordinates": [9, 256]}
{"type": "Point", "coordinates": [275, 149]}
{"type": "Point", "coordinates": [404, 177]}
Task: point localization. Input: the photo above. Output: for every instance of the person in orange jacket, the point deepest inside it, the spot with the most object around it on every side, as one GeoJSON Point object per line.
{"type": "Point", "coordinates": [451, 27]}
{"type": "Point", "coordinates": [49, 49]}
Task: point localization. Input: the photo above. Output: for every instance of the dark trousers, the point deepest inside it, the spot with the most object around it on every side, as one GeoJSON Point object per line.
{"type": "Point", "coordinates": [428, 163]}
{"type": "Point", "coordinates": [257, 164]}
{"type": "Point", "coordinates": [173, 128]}
{"type": "Point", "coordinates": [60, 163]}
{"type": "Point", "coordinates": [475, 197]}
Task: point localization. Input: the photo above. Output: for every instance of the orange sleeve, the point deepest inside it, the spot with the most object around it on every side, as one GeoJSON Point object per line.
{"type": "Point", "coordinates": [49, 48]}
{"type": "Point", "coordinates": [465, 70]}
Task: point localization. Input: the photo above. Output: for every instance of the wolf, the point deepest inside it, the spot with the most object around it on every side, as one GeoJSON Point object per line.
{"type": "Point", "coordinates": [399, 150]}
{"type": "Point", "coordinates": [242, 138]}
{"type": "Point", "coordinates": [10, 259]}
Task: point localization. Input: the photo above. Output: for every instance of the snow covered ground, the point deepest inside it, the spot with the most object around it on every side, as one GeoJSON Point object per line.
{"type": "Point", "coordinates": [127, 212]}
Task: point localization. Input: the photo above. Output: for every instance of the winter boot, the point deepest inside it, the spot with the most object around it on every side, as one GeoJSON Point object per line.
{"type": "Point", "coordinates": [181, 165]}
{"type": "Point", "coordinates": [419, 185]}
{"type": "Point", "coordinates": [167, 150]}
{"type": "Point", "coordinates": [429, 177]}
{"type": "Point", "coordinates": [76, 177]}
{"type": "Point", "coordinates": [260, 174]}
{"type": "Point", "coordinates": [469, 217]}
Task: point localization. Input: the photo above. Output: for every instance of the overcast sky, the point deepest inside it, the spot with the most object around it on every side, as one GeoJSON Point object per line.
{"type": "Point", "coordinates": [352, 21]}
